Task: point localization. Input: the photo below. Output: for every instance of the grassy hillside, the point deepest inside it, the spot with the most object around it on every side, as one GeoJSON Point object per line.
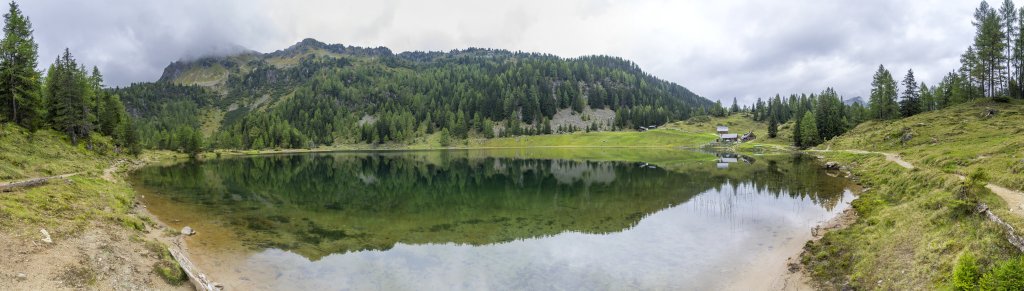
{"type": "Point", "coordinates": [739, 123]}
{"type": "Point", "coordinates": [88, 215]}
{"type": "Point", "coordinates": [47, 153]}
{"type": "Point", "coordinates": [913, 225]}
{"type": "Point", "coordinates": [652, 138]}
{"type": "Point", "coordinates": [958, 140]}
{"type": "Point", "coordinates": [910, 230]}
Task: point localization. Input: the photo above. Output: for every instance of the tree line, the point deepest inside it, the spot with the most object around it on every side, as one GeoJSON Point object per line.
{"type": "Point", "coordinates": [991, 67]}
{"type": "Point", "coordinates": [70, 99]}
{"type": "Point", "coordinates": [816, 117]}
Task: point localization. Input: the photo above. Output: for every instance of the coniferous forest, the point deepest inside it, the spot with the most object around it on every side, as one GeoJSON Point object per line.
{"type": "Point", "coordinates": [314, 94]}
{"type": "Point", "coordinates": [70, 99]}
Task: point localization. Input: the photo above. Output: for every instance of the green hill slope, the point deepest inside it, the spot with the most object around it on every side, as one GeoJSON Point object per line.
{"type": "Point", "coordinates": [913, 225]}
{"type": "Point", "coordinates": [977, 135]}
{"type": "Point", "coordinates": [322, 94]}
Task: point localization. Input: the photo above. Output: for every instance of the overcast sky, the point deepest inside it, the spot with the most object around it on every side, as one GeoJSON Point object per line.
{"type": "Point", "coordinates": [718, 49]}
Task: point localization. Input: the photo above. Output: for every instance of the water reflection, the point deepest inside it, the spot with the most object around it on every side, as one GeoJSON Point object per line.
{"type": "Point", "coordinates": [466, 220]}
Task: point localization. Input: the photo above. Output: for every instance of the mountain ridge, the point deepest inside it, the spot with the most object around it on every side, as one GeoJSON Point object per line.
{"type": "Point", "coordinates": [417, 93]}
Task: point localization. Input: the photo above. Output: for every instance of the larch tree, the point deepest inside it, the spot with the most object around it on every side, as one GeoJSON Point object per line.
{"type": "Point", "coordinates": [927, 98]}
{"type": "Point", "coordinates": [19, 80]}
{"type": "Point", "coordinates": [989, 49]}
{"type": "Point", "coordinates": [1008, 16]}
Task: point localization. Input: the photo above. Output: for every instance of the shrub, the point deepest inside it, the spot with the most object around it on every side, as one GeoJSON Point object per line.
{"type": "Point", "coordinates": [1007, 275]}
{"type": "Point", "coordinates": [966, 274]}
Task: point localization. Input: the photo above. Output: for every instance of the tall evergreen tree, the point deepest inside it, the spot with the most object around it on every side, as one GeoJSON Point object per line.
{"type": "Point", "coordinates": [66, 89]}
{"type": "Point", "coordinates": [883, 95]}
{"type": "Point", "coordinates": [773, 127]}
{"type": "Point", "coordinates": [19, 80]}
{"type": "Point", "coordinates": [809, 131]}
{"type": "Point", "coordinates": [828, 115]}
{"type": "Point", "coordinates": [113, 120]}
{"type": "Point", "coordinates": [989, 44]}
{"type": "Point", "coordinates": [910, 102]}
{"type": "Point", "coordinates": [1008, 15]}
{"type": "Point", "coordinates": [1018, 58]}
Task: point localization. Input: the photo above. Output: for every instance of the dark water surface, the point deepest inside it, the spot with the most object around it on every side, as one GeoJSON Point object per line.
{"type": "Point", "coordinates": [586, 219]}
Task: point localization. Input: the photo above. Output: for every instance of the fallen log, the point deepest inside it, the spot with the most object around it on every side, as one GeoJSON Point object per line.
{"type": "Point", "coordinates": [8, 187]}
{"type": "Point", "coordinates": [198, 279]}
{"type": "Point", "coordinates": [1011, 234]}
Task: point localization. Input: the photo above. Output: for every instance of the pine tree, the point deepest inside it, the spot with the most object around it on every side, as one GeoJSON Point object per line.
{"type": "Point", "coordinates": [20, 100]}
{"type": "Point", "coordinates": [773, 127]}
{"type": "Point", "coordinates": [910, 102]}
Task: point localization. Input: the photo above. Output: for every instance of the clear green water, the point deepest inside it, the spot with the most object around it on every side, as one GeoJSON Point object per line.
{"type": "Point", "coordinates": [583, 219]}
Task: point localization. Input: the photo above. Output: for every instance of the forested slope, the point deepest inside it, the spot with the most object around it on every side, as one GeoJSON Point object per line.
{"type": "Point", "coordinates": [318, 94]}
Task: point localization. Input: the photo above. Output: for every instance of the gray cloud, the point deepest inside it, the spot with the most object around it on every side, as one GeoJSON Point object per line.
{"type": "Point", "coordinates": [720, 49]}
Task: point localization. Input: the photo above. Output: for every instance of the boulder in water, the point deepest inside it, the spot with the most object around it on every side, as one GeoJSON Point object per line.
{"type": "Point", "coordinates": [188, 231]}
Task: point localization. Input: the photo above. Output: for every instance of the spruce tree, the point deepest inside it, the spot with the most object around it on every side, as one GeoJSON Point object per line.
{"type": "Point", "coordinates": [828, 114]}
{"type": "Point", "coordinates": [883, 95]}
{"type": "Point", "coordinates": [910, 102]}
{"type": "Point", "coordinates": [20, 100]}
{"type": "Point", "coordinates": [809, 132]}
{"type": "Point", "coordinates": [773, 127]}
{"type": "Point", "coordinates": [66, 89]}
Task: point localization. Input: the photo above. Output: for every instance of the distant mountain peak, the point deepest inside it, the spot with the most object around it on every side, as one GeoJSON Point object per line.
{"type": "Point", "coordinates": [854, 100]}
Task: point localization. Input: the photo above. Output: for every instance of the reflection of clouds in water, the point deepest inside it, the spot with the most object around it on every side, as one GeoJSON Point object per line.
{"type": "Point", "coordinates": [367, 178]}
{"type": "Point", "coordinates": [694, 245]}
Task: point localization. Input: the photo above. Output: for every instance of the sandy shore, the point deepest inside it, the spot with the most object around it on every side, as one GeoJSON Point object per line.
{"type": "Point", "coordinates": [781, 269]}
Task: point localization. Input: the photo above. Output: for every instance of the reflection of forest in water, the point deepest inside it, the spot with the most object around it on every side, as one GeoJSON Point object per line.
{"type": "Point", "coordinates": [317, 204]}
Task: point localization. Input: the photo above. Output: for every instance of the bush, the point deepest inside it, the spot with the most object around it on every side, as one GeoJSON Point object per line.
{"type": "Point", "coordinates": [966, 274]}
{"type": "Point", "coordinates": [1007, 275]}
